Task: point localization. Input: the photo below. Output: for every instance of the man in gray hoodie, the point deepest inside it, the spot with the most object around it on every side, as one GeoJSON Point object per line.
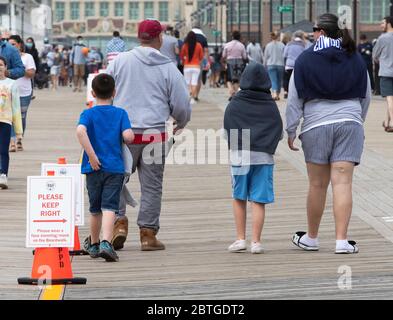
{"type": "Point", "coordinates": [151, 89]}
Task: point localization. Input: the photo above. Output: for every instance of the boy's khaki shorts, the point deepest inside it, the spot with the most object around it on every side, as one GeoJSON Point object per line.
{"type": "Point", "coordinates": [79, 70]}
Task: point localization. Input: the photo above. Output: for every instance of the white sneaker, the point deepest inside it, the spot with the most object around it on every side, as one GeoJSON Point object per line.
{"type": "Point", "coordinates": [3, 181]}
{"type": "Point", "coordinates": [192, 101]}
{"type": "Point", "coordinates": [256, 247]}
{"type": "Point", "coordinates": [350, 248]}
{"type": "Point", "coordinates": [238, 246]}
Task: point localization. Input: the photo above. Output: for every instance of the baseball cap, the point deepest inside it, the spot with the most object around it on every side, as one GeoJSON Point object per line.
{"type": "Point", "coordinates": [149, 29]}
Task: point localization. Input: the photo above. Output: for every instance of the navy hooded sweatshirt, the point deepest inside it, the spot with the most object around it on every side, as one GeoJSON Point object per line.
{"type": "Point", "coordinates": [253, 108]}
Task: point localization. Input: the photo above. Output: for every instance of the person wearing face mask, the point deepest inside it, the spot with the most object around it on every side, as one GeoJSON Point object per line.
{"type": "Point", "coordinates": [151, 89]}
{"type": "Point", "coordinates": [78, 61]}
{"type": "Point", "coordinates": [24, 87]}
{"type": "Point", "coordinates": [31, 49]}
{"type": "Point", "coordinates": [15, 69]}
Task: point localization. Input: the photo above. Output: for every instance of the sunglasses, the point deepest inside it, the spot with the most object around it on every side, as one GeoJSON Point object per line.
{"type": "Point", "coordinates": [315, 29]}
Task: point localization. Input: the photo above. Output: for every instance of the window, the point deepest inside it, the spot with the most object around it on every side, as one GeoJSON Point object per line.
{"type": "Point", "coordinates": [149, 10]}
{"type": "Point", "coordinates": [301, 10]}
{"type": "Point", "coordinates": [104, 9]}
{"type": "Point", "coordinates": [74, 10]}
{"type": "Point", "coordinates": [163, 11]}
{"type": "Point", "coordinates": [378, 10]}
{"type": "Point", "coordinates": [134, 11]}
{"type": "Point", "coordinates": [321, 5]}
{"type": "Point", "coordinates": [233, 12]}
{"type": "Point", "coordinates": [203, 13]}
{"type": "Point", "coordinates": [89, 9]}
{"type": "Point", "coordinates": [59, 11]}
{"type": "Point", "coordinates": [244, 11]}
{"type": "Point", "coordinates": [119, 9]}
{"type": "Point", "coordinates": [365, 11]}
{"type": "Point", "coordinates": [286, 16]}
{"type": "Point", "coordinates": [255, 11]}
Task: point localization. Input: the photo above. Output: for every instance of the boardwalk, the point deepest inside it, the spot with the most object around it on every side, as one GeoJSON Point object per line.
{"type": "Point", "coordinates": [197, 224]}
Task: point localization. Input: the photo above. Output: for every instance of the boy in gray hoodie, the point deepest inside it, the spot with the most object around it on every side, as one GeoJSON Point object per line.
{"type": "Point", "coordinates": [151, 89]}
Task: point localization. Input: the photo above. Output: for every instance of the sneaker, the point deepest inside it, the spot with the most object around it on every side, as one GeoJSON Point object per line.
{"type": "Point", "coordinates": [192, 101]}
{"type": "Point", "coordinates": [92, 249]}
{"type": "Point", "coordinates": [107, 252]}
{"type": "Point", "coordinates": [352, 248]}
{"type": "Point", "coordinates": [238, 246]}
{"type": "Point", "coordinates": [256, 247]}
{"type": "Point", "coordinates": [3, 181]}
{"type": "Point", "coordinates": [296, 240]}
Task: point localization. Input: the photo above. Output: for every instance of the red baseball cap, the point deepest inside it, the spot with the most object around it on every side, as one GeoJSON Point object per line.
{"type": "Point", "coordinates": [149, 29]}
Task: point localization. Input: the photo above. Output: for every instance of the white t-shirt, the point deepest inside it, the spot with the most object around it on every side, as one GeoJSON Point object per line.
{"type": "Point", "coordinates": [24, 83]}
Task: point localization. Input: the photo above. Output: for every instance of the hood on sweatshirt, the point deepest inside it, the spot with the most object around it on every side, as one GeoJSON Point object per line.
{"type": "Point", "coordinates": [150, 56]}
{"type": "Point", "coordinates": [255, 78]}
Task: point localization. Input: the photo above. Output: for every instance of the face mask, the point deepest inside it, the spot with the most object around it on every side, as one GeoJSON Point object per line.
{"type": "Point", "coordinates": [80, 41]}
{"type": "Point", "coordinates": [29, 45]}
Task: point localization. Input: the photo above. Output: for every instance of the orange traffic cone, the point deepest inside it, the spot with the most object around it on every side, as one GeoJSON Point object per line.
{"type": "Point", "coordinates": [77, 251]}
{"type": "Point", "coordinates": [77, 246]}
{"type": "Point", "coordinates": [51, 266]}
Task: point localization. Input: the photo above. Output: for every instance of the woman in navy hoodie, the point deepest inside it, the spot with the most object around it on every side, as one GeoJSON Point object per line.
{"type": "Point", "coordinates": [330, 90]}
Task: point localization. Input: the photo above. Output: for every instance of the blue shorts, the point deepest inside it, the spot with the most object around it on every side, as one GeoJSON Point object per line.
{"type": "Point", "coordinates": [104, 191]}
{"type": "Point", "coordinates": [253, 183]}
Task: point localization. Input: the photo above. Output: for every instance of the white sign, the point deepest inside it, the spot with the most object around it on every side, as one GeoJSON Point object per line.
{"type": "Point", "coordinates": [50, 214]}
{"type": "Point", "coordinates": [73, 170]}
{"type": "Point", "coordinates": [90, 78]}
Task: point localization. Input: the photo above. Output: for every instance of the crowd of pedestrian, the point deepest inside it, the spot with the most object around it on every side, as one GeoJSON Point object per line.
{"type": "Point", "coordinates": [143, 88]}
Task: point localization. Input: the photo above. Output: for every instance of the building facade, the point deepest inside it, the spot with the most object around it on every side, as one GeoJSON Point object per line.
{"type": "Point", "coordinates": [257, 18]}
{"type": "Point", "coordinates": [96, 20]}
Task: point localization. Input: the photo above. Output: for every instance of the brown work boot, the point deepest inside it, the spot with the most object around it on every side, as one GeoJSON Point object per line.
{"type": "Point", "coordinates": [149, 241]}
{"type": "Point", "coordinates": [120, 232]}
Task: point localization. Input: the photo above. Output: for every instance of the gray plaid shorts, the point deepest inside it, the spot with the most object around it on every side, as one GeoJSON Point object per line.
{"type": "Point", "coordinates": [342, 141]}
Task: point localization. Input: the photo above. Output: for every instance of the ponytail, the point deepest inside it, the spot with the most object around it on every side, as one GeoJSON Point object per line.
{"type": "Point", "coordinates": [329, 23]}
{"type": "Point", "coordinates": [347, 42]}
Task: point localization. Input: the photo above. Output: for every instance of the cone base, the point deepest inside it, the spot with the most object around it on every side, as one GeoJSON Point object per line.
{"type": "Point", "coordinates": [31, 281]}
{"type": "Point", "coordinates": [78, 253]}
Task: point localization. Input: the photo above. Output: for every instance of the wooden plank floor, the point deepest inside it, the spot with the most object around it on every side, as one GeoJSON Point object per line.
{"type": "Point", "coordinates": [197, 223]}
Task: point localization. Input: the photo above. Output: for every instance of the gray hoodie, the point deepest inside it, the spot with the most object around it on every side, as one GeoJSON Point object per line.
{"type": "Point", "coordinates": [150, 88]}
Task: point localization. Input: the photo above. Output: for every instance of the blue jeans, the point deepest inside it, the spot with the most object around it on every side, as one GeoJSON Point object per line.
{"type": "Point", "coordinates": [24, 105]}
{"type": "Point", "coordinates": [5, 134]}
{"type": "Point", "coordinates": [104, 191]}
{"type": "Point", "coordinates": [276, 74]}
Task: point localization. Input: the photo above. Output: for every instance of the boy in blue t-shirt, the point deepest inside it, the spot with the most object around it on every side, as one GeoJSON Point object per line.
{"type": "Point", "coordinates": [101, 131]}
